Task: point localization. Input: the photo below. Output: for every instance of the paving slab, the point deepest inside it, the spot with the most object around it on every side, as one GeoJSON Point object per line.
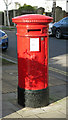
{"type": "Point", "coordinates": [13, 115]}
{"type": "Point", "coordinates": [57, 106]}
{"type": "Point", "coordinates": [53, 81]}
{"type": "Point", "coordinates": [33, 116]}
{"type": "Point", "coordinates": [58, 91]}
{"type": "Point", "coordinates": [52, 115]}
{"type": "Point", "coordinates": [31, 112]}
{"type": "Point", "coordinates": [9, 79]}
{"type": "Point", "coordinates": [61, 60]}
{"type": "Point", "coordinates": [7, 112]}
{"type": "Point", "coordinates": [9, 96]}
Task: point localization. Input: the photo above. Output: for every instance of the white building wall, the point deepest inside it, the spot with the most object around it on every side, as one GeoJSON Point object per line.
{"type": "Point", "coordinates": [67, 5]}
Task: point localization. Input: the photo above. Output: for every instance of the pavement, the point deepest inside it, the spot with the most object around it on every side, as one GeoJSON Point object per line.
{"type": "Point", "coordinates": [58, 98]}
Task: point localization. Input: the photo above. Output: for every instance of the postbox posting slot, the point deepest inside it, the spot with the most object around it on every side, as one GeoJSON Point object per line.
{"type": "Point", "coordinates": [34, 30]}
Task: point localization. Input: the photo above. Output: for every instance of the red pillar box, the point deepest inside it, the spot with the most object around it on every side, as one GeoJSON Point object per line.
{"type": "Point", "coordinates": [32, 49]}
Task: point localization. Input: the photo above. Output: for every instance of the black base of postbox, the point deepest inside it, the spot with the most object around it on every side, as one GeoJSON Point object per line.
{"type": "Point", "coordinates": [33, 98]}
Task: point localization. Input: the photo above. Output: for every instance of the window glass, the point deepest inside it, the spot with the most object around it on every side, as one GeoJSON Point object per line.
{"type": "Point", "coordinates": [65, 20]}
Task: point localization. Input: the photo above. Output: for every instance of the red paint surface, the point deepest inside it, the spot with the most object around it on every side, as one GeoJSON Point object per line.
{"type": "Point", "coordinates": [32, 65]}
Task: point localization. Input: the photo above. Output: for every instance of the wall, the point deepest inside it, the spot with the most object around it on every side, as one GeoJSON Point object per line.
{"type": "Point", "coordinates": [1, 18]}
{"type": "Point", "coordinates": [58, 14]}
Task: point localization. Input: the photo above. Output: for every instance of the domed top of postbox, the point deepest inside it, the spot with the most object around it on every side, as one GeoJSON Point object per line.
{"type": "Point", "coordinates": [32, 18]}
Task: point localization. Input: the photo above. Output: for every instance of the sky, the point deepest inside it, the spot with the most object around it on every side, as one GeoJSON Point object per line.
{"type": "Point", "coordinates": [47, 4]}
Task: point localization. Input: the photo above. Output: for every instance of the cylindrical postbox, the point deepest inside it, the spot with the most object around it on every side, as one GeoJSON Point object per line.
{"type": "Point", "coordinates": [32, 50]}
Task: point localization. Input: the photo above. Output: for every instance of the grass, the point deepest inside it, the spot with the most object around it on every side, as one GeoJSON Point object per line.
{"type": "Point", "coordinates": [8, 28]}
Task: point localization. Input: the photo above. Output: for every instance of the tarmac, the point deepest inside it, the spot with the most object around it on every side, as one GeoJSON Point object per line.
{"type": "Point", "coordinates": [58, 98]}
